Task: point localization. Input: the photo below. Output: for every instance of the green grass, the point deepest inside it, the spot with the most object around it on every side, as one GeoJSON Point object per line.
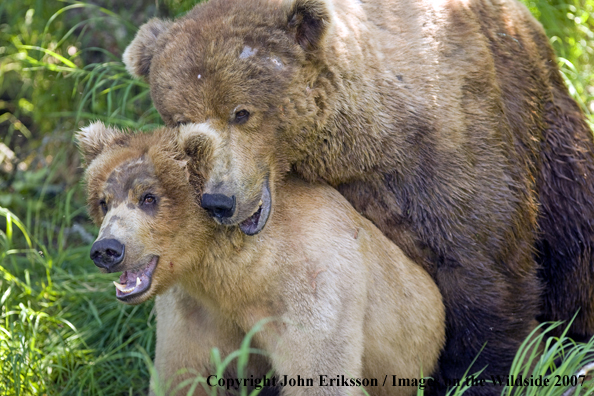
{"type": "Point", "coordinates": [62, 332]}
{"type": "Point", "coordinates": [562, 359]}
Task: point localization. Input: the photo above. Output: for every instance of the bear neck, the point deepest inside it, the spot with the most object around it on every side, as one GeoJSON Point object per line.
{"type": "Point", "coordinates": [227, 276]}
{"type": "Point", "coordinates": [362, 96]}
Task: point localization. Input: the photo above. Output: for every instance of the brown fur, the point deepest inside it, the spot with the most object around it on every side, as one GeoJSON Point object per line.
{"type": "Point", "coordinates": [444, 122]}
{"type": "Point", "coordinates": [345, 299]}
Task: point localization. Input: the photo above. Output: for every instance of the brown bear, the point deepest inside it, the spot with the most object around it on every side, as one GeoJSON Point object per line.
{"type": "Point", "coordinates": [444, 122]}
{"type": "Point", "coordinates": [348, 304]}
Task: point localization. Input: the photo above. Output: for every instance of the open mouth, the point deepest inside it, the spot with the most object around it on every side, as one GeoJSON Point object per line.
{"type": "Point", "coordinates": [256, 222]}
{"type": "Point", "coordinates": [135, 282]}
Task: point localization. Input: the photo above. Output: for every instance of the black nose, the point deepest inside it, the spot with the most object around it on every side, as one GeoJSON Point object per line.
{"type": "Point", "coordinates": [107, 253]}
{"type": "Point", "coordinates": [219, 205]}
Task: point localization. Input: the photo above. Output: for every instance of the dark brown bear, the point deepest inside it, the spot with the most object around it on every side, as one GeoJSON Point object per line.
{"type": "Point", "coordinates": [445, 122]}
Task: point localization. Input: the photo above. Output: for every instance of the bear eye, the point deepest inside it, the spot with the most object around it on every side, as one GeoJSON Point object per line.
{"type": "Point", "coordinates": [178, 120]}
{"type": "Point", "coordinates": [242, 116]}
{"type": "Point", "coordinates": [148, 199]}
{"type": "Point", "coordinates": [103, 206]}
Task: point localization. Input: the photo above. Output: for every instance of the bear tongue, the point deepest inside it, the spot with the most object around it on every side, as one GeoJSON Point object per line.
{"type": "Point", "coordinates": [129, 277]}
{"type": "Point", "coordinates": [124, 278]}
{"type": "Point", "coordinates": [131, 281]}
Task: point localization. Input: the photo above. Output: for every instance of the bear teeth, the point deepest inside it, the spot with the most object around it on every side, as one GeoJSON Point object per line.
{"type": "Point", "coordinates": [125, 289]}
{"type": "Point", "coordinates": [122, 288]}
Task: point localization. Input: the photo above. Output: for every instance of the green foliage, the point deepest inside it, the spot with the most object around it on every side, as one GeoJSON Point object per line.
{"type": "Point", "coordinates": [61, 329]}
{"type": "Point", "coordinates": [570, 27]}
{"type": "Point", "coordinates": [60, 68]}
{"type": "Point", "coordinates": [562, 359]}
{"type": "Point", "coordinates": [556, 361]}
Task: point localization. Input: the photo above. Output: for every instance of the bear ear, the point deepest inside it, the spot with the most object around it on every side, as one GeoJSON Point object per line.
{"type": "Point", "coordinates": [93, 138]}
{"type": "Point", "coordinates": [194, 143]}
{"type": "Point", "coordinates": [198, 148]}
{"type": "Point", "coordinates": [140, 51]}
{"type": "Point", "coordinates": [310, 20]}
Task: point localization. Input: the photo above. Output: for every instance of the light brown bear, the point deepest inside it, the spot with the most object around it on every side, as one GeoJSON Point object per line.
{"type": "Point", "coordinates": [444, 122]}
{"type": "Point", "coordinates": [345, 299]}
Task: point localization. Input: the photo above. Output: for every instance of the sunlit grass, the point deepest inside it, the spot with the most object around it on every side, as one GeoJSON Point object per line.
{"type": "Point", "coordinates": [61, 329]}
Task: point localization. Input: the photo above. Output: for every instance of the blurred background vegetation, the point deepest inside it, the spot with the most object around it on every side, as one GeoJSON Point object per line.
{"type": "Point", "coordinates": [61, 328]}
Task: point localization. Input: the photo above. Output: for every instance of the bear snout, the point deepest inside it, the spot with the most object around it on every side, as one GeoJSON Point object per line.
{"type": "Point", "coordinates": [107, 253]}
{"type": "Point", "coordinates": [218, 205]}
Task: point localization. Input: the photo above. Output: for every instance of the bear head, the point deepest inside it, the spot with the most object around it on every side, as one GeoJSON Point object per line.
{"type": "Point", "coordinates": [139, 195]}
{"type": "Point", "coordinates": [243, 74]}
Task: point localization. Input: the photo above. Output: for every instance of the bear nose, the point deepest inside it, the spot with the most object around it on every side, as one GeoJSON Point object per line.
{"type": "Point", "coordinates": [218, 205]}
{"type": "Point", "coordinates": [107, 253]}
